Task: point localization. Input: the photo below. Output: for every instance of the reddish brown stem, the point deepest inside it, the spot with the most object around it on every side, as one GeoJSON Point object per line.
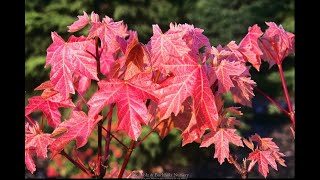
{"type": "Point", "coordinates": [97, 55]}
{"type": "Point", "coordinates": [145, 137]}
{"type": "Point", "coordinates": [99, 163]}
{"type": "Point", "coordinates": [108, 140]}
{"type": "Point", "coordinates": [100, 123]}
{"type": "Point", "coordinates": [273, 101]}
{"type": "Point", "coordinates": [30, 121]}
{"type": "Point", "coordinates": [286, 93]}
{"type": "Point", "coordinates": [126, 159]}
{"type": "Point", "coordinates": [112, 136]}
{"type": "Point", "coordinates": [76, 163]}
{"type": "Point", "coordinates": [241, 170]}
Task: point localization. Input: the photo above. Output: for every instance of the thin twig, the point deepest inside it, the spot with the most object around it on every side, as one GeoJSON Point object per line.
{"type": "Point", "coordinates": [126, 159]}
{"type": "Point", "coordinates": [99, 163]}
{"type": "Point", "coordinates": [153, 129]}
{"type": "Point", "coordinates": [125, 146]}
{"type": "Point", "coordinates": [31, 121]}
{"type": "Point", "coordinates": [108, 140]}
{"type": "Point", "coordinates": [273, 101]}
{"type": "Point", "coordinates": [286, 93]}
{"type": "Point", "coordinates": [76, 163]}
{"type": "Point", "coordinates": [241, 170]}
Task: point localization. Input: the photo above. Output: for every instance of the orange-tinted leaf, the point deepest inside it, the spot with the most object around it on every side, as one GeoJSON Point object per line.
{"type": "Point", "coordinates": [264, 143]}
{"type": "Point", "coordinates": [234, 110]}
{"type": "Point", "coordinates": [165, 127]}
{"type": "Point", "coordinates": [229, 122]}
{"type": "Point", "coordinates": [249, 144]}
{"type": "Point", "coordinates": [47, 88]}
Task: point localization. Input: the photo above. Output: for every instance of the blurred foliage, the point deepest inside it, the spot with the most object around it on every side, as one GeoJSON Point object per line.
{"type": "Point", "coordinates": [222, 21]}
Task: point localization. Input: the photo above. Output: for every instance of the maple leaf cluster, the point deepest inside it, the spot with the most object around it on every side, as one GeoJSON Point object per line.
{"type": "Point", "coordinates": [176, 79]}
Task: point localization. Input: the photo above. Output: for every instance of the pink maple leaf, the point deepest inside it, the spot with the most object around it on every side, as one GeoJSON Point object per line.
{"type": "Point", "coordinates": [276, 44]}
{"type": "Point", "coordinates": [167, 46]}
{"type": "Point", "coordinates": [221, 140]}
{"type": "Point", "coordinates": [49, 107]}
{"type": "Point", "coordinates": [79, 24]}
{"type": "Point", "coordinates": [264, 158]}
{"type": "Point", "coordinates": [66, 58]}
{"type": "Point", "coordinates": [107, 31]}
{"type": "Point", "coordinates": [79, 127]}
{"type": "Point", "coordinates": [249, 46]}
{"type": "Point", "coordinates": [129, 96]}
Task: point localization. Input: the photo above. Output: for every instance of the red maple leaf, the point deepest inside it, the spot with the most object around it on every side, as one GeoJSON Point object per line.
{"type": "Point", "coordinates": [79, 24]}
{"type": "Point", "coordinates": [264, 143]}
{"type": "Point", "coordinates": [276, 44]}
{"type": "Point", "coordinates": [221, 140]}
{"type": "Point", "coordinates": [170, 53]}
{"type": "Point", "coordinates": [79, 127]}
{"type": "Point", "coordinates": [129, 96]}
{"type": "Point", "coordinates": [267, 152]}
{"type": "Point", "coordinates": [224, 71]}
{"type": "Point", "coordinates": [49, 107]}
{"type": "Point", "coordinates": [167, 46]}
{"type": "Point", "coordinates": [243, 91]}
{"type": "Point", "coordinates": [35, 139]}
{"type": "Point", "coordinates": [264, 158]}
{"type": "Point", "coordinates": [249, 46]}
{"type": "Point", "coordinates": [192, 36]}
{"type": "Point", "coordinates": [189, 79]}
{"type": "Point", "coordinates": [107, 31]}
{"type": "Point", "coordinates": [69, 57]}
{"type": "Point", "coordinates": [36, 142]}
